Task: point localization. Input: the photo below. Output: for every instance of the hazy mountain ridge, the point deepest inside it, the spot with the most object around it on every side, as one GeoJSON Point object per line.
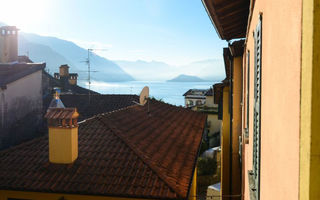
{"type": "Point", "coordinates": [186, 78]}
{"type": "Point", "coordinates": [210, 69]}
{"type": "Point", "coordinates": [143, 70]}
{"type": "Point", "coordinates": [55, 52]}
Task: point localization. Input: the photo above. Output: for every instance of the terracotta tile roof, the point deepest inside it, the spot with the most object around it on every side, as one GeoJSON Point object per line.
{"type": "Point", "coordinates": [129, 153]}
{"type": "Point", "coordinates": [98, 103]}
{"type": "Point", "coordinates": [199, 92]}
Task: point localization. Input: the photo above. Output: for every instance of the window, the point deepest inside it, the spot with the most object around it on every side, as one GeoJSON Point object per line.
{"type": "Point", "coordinates": [198, 102]}
{"type": "Point", "coordinates": [254, 174]}
{"type": "Point", "coordinates": [257, 111]}
{"type": "Point", "coordinates": [248, 96]}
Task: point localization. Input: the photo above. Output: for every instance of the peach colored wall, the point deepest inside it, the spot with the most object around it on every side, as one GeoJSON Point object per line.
{"type": "Point", "coordinates": [281, 55]}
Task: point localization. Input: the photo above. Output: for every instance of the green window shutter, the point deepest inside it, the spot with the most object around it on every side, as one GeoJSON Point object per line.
{"type": "Point", "coordinates": [257, 109]}
{"type": "Point", "coordinates": [248, 95]}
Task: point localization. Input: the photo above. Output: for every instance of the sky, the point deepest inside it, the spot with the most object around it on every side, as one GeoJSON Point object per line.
{"type": "Point", "coordinates": [173, 31]}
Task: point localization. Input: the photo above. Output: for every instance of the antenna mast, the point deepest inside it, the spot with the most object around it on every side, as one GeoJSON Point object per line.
{"type": "Point", "coordinates": [89, 77]}
{"type": "Point", "coordinates": [89, 70]}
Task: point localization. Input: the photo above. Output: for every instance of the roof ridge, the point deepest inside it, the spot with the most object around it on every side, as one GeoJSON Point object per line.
{"type": "Point", "coordinates": [105, 113]}
{"type": "Point", "coordinates": [140, 155]}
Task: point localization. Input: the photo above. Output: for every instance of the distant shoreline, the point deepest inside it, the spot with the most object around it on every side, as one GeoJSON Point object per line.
{"type": "Point", "coordinates": [186, 78]}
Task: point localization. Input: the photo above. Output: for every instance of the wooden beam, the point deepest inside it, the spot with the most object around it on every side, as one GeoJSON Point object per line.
{"type": "Point", "coordinates": [235, 19]}
{"type": "Point", "coordinates": [233, 27]}
{"type": "Point", "coordinates": [229, 6]}
{"type": "Point", "coordinates": [242, 11]}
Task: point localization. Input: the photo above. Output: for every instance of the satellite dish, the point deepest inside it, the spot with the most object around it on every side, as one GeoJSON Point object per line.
{"type": "Point", "coordinates": [144, 95]}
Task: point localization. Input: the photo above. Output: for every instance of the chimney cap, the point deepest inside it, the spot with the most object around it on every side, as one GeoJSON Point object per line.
{"type": "Point", "coordinates": [62, 113]}
{"type": "Point", "coordinates": [64, 66]}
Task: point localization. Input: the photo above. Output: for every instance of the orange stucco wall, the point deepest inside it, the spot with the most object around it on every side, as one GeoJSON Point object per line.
{"type": "Point", "coordinates": [225, 144]}
{"type": "Point", "coordinates": [280, 98]}
{"type": "Point", "coordinates": [236, 124]}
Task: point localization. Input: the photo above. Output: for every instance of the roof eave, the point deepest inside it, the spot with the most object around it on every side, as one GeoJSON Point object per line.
{"type": "Point", "coordinates": [219, 20]}
{"type": "Point", "coordinates": [213, 21]}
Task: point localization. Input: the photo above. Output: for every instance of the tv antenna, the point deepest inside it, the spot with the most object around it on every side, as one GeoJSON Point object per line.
{"type": "Point", "coordinates": [89, 70]}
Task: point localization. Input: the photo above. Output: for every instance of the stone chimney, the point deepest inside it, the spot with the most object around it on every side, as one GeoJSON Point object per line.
{"type": "Point", "coordinates": [63, 135]}
{"type": "Point", "coordinates": [8, 44]}
{"type": "Point", "coordinates": [73, 77]}
{"type": "Point", "coordinates": [64, 71]}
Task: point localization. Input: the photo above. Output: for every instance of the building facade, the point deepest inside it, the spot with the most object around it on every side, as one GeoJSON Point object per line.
{"type": "Point", "coordinates": [195, 97]}
{"type": "Point", "coordinates": [20, 92]}
{"type": "Point", "coordinates": [279, 94]}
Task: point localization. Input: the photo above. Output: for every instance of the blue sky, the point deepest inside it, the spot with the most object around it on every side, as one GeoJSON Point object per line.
{"type": "Point", "coordinates": [173, 31]}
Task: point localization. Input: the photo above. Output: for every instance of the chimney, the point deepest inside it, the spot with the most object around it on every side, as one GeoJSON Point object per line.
{"type": "Point", "coordinates": [73, 78]}
{"type": "Point", "coordinates": [63, 135]}
{"type": "Point", "coordinates": [64, 70]}
{"type": "Point", "coordinates": [8, 44]}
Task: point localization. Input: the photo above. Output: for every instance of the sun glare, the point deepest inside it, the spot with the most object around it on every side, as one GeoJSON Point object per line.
{"type": "Point", "coordinates": [24, 13]}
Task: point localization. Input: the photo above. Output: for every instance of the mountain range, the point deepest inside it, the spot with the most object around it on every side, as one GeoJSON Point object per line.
{"type": "Point", "coordinates": [211, 70]}
{"type": "Point", "coordinates": [55, 52]}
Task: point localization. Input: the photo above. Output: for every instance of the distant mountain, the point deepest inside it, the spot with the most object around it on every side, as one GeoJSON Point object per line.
{"type": "Point", "coordinates": [148, 71]}
{"type": "Point", "coordinates": [211, 69]}
{"type": "Point", "coordinates": [186, 78]}
{"type": "Point", "coordinates": [55, 52]}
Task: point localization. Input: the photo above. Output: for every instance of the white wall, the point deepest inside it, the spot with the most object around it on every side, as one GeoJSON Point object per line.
{"type": "Point", "coordinates": [21, 97]}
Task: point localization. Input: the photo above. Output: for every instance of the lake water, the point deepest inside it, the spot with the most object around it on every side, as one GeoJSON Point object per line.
{"type": "Point", "coordinates": [170, 92]}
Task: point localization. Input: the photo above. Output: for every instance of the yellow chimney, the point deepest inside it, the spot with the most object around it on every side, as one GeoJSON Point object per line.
{"type": "Point", "coordinates": [63, 135]}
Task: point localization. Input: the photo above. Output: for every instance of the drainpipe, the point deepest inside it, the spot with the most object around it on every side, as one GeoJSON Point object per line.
{"type": "Point", "coordinates": [231, 119]}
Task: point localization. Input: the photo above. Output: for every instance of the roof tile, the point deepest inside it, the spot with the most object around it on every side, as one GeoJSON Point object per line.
{"type": "Point", "coordinates": [134, 152]}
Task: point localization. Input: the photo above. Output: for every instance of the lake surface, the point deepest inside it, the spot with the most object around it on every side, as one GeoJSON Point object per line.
{"type": "Point", "coordinates": [170, 92]}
